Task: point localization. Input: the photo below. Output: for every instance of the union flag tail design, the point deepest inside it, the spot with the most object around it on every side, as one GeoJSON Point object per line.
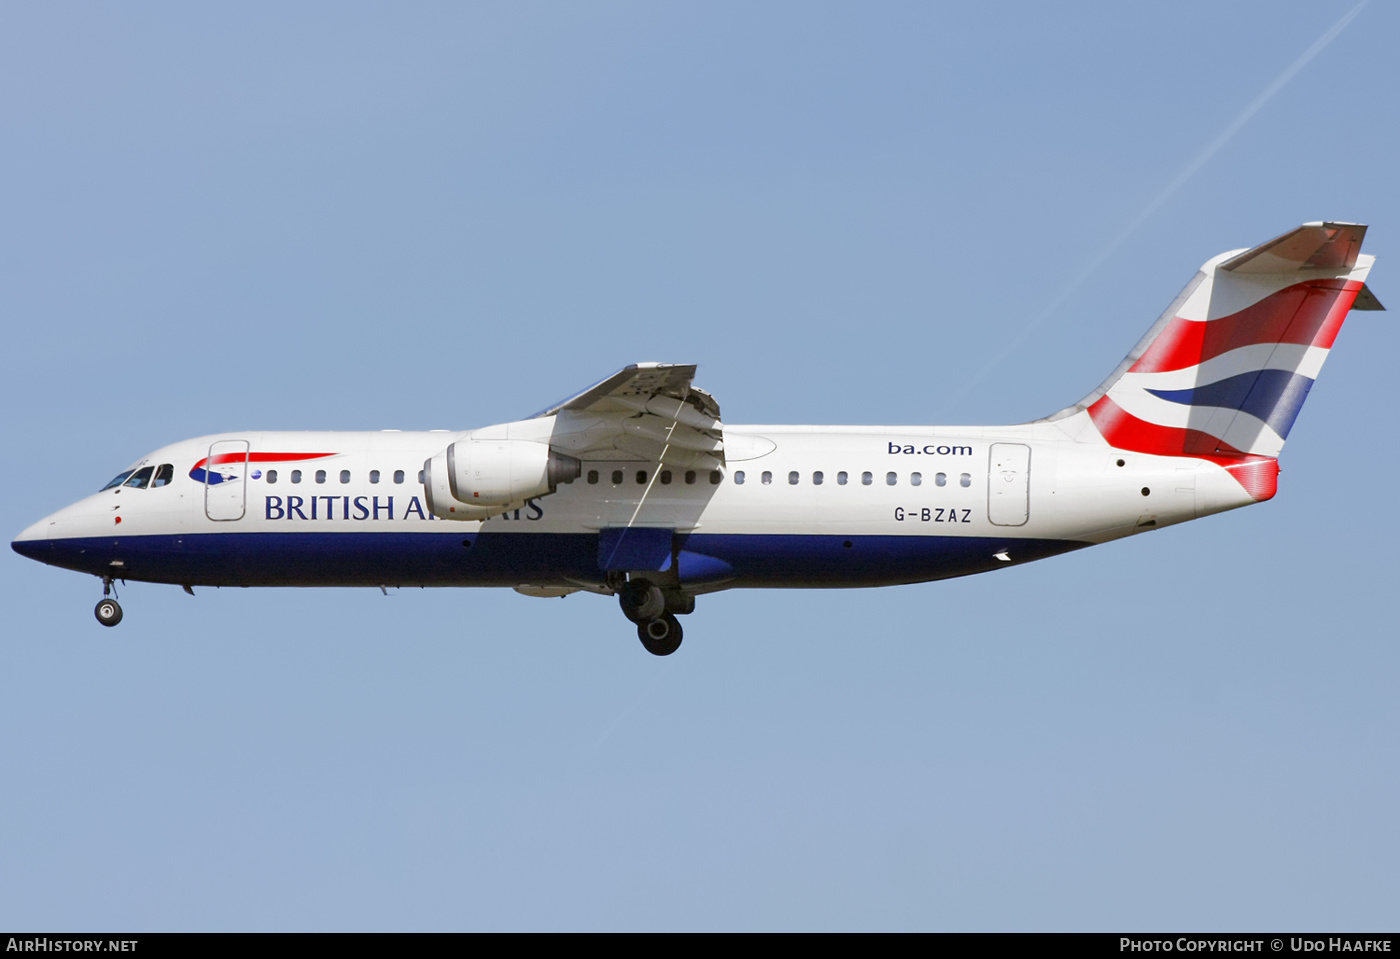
{"type": "Point", "coordinates": [1222, 374]}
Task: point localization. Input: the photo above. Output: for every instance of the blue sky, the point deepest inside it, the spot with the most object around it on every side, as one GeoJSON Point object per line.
{"type": "Point", "coordinates": [355, 216]}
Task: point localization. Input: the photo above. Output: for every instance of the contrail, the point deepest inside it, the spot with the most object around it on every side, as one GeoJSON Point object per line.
{"type": "Point", "coordinates": [623, 715]}
{"type": "Point", "coordinates": [1162, 197]}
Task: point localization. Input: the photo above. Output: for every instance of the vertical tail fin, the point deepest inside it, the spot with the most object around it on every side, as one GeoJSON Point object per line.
{"type": "Point", "coordinates": [1222, 374]}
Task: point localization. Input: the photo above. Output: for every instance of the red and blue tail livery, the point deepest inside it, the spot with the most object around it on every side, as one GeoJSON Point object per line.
{"type": "Point", "coordinates": [1223, 374]}
{"type": "Point", "coordinates": [635, 488]}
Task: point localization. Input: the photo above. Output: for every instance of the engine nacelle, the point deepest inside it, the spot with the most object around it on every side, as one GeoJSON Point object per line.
{"type": "Point", "coordinates": [476, 478]}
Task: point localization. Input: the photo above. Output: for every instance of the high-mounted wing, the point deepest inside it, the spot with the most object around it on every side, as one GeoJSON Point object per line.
{"type": "Point", "coordinates": [646, 411]}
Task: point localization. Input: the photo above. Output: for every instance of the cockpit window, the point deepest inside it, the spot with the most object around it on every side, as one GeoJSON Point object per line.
{"type": "Point", "coordinates": [140, 478]}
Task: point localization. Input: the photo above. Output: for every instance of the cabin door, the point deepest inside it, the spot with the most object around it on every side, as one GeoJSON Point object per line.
{"type": "Point", "coordinates": [1009, 484]}
{"type": "Point", "coordinates": [226, 480]}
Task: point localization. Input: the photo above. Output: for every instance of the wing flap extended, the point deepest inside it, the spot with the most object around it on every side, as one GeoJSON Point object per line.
{"type": "Point", "coordinates": [648, 411]}
{"type": "Point", "coordinates": [642, 381]}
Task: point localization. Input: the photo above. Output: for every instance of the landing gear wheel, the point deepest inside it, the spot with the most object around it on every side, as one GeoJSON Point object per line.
{"type": "Point", "coordinates": [661, 636]}
{"type": "Point", "coordinates": [108, 613]}
{"type": "Point", "coordinates": [641, 601]}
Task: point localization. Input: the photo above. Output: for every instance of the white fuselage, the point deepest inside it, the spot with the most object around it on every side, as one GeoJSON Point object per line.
{"type": "Point", "coordinates": [793, 506]}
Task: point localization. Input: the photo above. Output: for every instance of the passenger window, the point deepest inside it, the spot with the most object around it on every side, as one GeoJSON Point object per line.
{"type": "Point", "coordinates": [398, 476]}
{"type": "Point", "coordinates": [841, 478]}
{"type": "Point", "coordinates": [118, 480]}
{"type": "Point", "coordinates": [865, 479]}
{"type": "Point", "coordinates": [767, 477]}
{"type": "Point", "coordinates": [916, 479]}
{"type": "Point", "coordinates": [344, 476]}
{"type": "Point", "coordinates": [617, 477]}
{"type": "Point", "coordinates": [817, 478]}
{"type": "Point", "coordinates": [715, 477]}
{"type": "Point", "coordinates": [641, 477]}
{"type": "Point", "coordinates": [965, 479]}
{"type": "Point", "coordinates": [140, 478]}
{"type": "Point", "coordinates": [792, 478]}
{"type": "Point", "coordinates": [420, 477]}
{"type": "Point", "coordinates": [665, 477]}
{"type": "Point", "coordinates": [690, 477]}
{"type": "Point", "coordinates": [272, 476]}
{"type": "Point", "coordinates": [891, 479]}
{"type": "Point", "coordinates": [374, 476]}
{"type": "Point", "coordinates": [593, 477]}
{"type": "Point", "coordinates": [738, 477]}
{"type": "Point", "coordinates": [296, 476]}
{"type": "Point", "coordinates": [164, 475]}
{"type": "Point", "coordinates": [320, 476]}
{"type": "Point", "coordinates": [940, 479]}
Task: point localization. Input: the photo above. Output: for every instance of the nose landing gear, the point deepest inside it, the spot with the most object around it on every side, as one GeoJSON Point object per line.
{"type": "Point", "coordinates": [108, 611]}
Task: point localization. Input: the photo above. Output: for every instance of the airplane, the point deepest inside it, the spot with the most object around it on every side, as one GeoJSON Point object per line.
{"type": "Point", "coordinates": [635, 488]}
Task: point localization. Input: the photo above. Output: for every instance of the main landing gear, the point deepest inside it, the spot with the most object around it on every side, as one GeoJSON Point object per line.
{"type": "Point", "coordinates": [657, 627]}
{"type": "Point", "coordinates": [661, 636]}
{"type": "Point", "coordinates": [108, 611]}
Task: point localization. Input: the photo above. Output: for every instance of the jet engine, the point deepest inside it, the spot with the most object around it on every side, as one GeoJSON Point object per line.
{"type": "Point", "coordinates": [478, 477]}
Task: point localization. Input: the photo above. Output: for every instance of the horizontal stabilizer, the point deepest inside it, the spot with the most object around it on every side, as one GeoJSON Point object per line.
{"type": "Point", "coordinates": [1366, 300]}
{"type": "Point", "coordinates": [1312, 246]}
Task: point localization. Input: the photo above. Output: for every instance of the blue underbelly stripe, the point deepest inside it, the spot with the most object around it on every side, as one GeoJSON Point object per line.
{"type": "Point", "coordinates": [512, 559]}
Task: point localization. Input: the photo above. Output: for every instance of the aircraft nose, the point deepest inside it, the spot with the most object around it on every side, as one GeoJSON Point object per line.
{"type": "Point", "coordinates": [34, 541]}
